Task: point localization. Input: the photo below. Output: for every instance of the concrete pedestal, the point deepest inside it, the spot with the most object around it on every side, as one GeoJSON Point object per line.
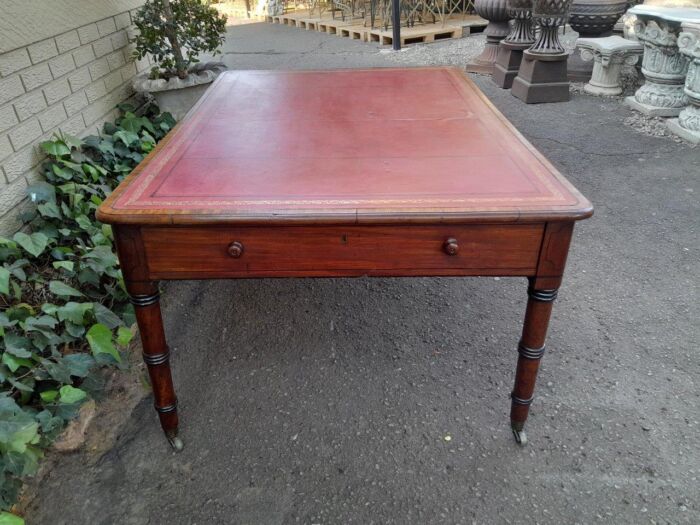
{"type": "Point", "coordinates": [664, 67]}
{"type": "Point", "coordinates": [542, 78]}
{"type": "Point", "coordinates": [508, 63]}
{"type": "Point", "coordinates": [607, 55]}
{"type": "Point", "coordinates": [687, 125]}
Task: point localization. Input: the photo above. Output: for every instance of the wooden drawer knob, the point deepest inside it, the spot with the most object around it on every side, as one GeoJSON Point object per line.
{"type": "Point", "coordinates": [451, 247]}
{"type": "Point", "coordinates": [235, 249]}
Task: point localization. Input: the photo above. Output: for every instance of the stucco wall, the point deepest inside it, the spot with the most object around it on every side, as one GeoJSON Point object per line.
{"type": "Point", "coordinates": [64, 65]}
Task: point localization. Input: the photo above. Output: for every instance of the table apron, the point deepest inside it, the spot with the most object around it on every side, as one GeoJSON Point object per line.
{"type": "Point", "coordinates": [202, 252]}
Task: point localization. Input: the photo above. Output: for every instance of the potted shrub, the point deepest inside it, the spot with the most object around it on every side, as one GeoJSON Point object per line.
{"type": "Point", "coordinates": [174, 33]}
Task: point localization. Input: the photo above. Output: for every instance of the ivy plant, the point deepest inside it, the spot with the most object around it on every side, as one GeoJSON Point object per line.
{"type": "Point", "coordinates": [63, 307]}
{"type": "Point", "coordinates": [175, 33]}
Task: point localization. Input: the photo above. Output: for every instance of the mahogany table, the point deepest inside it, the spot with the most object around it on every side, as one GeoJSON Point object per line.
{"type": "Point", "coordinates": [381, 172]}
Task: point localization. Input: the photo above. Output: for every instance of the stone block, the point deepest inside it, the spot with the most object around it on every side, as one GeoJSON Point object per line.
{"type": "Point", "coordinates": [88, 33]}
{"type": "Point", "coordinates": [21, 162]}
{"type": "Point", "coordinates": [128, 72]}
{"type": "Point", "coordinates": [61, 65]}
{"type": "Point", "coordinates": [57, 90]}
{"type": "Point", "coordinates": [10, 87]}
{"type": "Point", "coordinates": [115, 60]}
{"type": "Point", "coordinates": [113, 81]}
{"type": "Point", "coordinates": [119, 39]}
{"type": "Point", "coordinates": [30, 105]}
{"type": "Point", "coordinates": [106, 27]}
{"type": "Point", "coordinates": [79, 79]}
{"type": "Point", "coordinates": [84, 55]}
{"type": "Point", "coordinates": [98, 69]}
{"type": "Point", "coordinates": [97, 110]}
{"type": "Point", "coordinates": [42, 51]}
{"type": "Point", "coordinates": [73, 126]}
{"type": "Point", "coordinates": [13, 193]}
{"type": "Point", "coordinates": [75, 103]}
{"type": "Point", "coordinates": [14, 61]}
{"type": "Point", "coordinates": [36, 76]}
{"type": "Point", "coordinates": [67, 41]}
{"type": "Point", "coordinates": [52, 118]}
{"type": "Point", "coordinates": [102, 46]}
{"type": "Point", "coordinates": [24, 134]}
{"type": "Point", "coordinates": [8, 118]}
{"type": "Point", "coordinates": [10, 222]}
{"type": "Point", "coordinates": [5, 149]}
{"type": "Point", "coordinates": [95, 91]}
{"type": "Point", "coordinates": [122, 20]}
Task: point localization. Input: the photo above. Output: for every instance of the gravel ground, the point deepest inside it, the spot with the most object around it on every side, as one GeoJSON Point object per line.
{"type": "Point", "coordinates": [331, 401]}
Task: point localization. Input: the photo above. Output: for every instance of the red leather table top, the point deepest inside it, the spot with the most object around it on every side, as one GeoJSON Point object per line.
{"type": "Point", "coordinates": [351, 146]}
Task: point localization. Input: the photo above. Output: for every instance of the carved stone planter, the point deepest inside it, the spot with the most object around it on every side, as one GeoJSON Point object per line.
{"type": "Point", "coordinates": [542, 75]}
{"type": "Point", "coordinates": [495, 12]}
{"type": "Point", "coordinates": [664, 67]}
{"type": "Point", "coordinates": [510, 50]}
{"type": "Point", "coordinates": [608, 55]}
{"type": "Point", "coordinates": [687, 125]}
{"type": "Point", "coordinates": [178, 95]}
{"type": "Point", "coordinates": [591, 18]}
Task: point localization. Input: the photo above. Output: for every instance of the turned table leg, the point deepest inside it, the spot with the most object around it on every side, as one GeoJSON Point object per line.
{"type": "Point", "coordinates": [145, 298]}
{"type": "Point", "coordinates": [530, 350]}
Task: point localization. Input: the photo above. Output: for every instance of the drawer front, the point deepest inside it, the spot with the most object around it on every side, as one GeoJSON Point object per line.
{"type": "Point", "coordinates": [189, 252]}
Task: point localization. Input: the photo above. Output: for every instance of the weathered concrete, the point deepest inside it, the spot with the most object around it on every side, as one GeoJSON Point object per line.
{"type": "Point", "coordinates": [328, 401]}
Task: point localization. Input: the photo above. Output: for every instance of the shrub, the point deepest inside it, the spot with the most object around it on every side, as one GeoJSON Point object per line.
{"type": "Point", "coordinates": [175, 32]}
{"type": "Point", "coordinates": [63, 307]}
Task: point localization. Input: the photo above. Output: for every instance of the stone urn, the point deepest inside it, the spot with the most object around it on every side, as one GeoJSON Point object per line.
{"type": "Point", "coordinates": [178, 95]}
{"type": "Point", "coordinates": [496, 13]}
{"type": "Point", "coordinates": [590, 19]}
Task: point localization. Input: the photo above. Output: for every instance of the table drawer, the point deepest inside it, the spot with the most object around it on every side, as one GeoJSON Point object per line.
{"type": "Point", "coordinates": [207, 251]}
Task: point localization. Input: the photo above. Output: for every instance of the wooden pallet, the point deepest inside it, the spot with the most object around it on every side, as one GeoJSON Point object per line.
{"type": "Point", "coordinates": [334, 27]}
{"type": "Point", "coordinates": [356, 32]}
{"type": "Point", "coordinates": [418, 35]}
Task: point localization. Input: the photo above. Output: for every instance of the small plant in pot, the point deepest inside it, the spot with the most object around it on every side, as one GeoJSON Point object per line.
{"type": "Point", "coordinates": [174, 33]}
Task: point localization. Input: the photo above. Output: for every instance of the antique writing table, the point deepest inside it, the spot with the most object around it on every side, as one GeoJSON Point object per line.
{"type": "Point", "coordinates": [396, 172]}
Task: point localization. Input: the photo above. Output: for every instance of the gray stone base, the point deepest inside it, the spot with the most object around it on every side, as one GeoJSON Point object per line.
{"type": "Point", "coordinates": [675, 128]}
{"type": "Point", "coordinates": [541, 81]}
{"type": "Point", "coordinates": [507, 64]}
{"type": "Point", "coordinates": [651, 111]}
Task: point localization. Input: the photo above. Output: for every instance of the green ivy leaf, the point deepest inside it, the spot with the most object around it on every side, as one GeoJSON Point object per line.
{"type": "Point", "coordinates": [74, 312]}
{"type": "Point", "coordinates": [100, 339]}
{"type": "Point", "coordinates": [10, 519]}
{"type": "Point", "coordinates": [17, 345]}
{"type": "Point", "coordinates": [4, 281]}
{"type": "Point", "coordinates": [66, 265]}
{"type": "Point", "coordinates": [106, 316]}
{"type": "Point", "coordinates": [78, 365]}
{"type": "Point", "coordinates": [69, 394]}
{"type": "Point", "coordinates": [124, 336]}
{"type": "Point", "coordinates": [35, 243]}
{"type": "Point", "coordinates": [50, 210]}
{"type": "Point", "coordinates": [55, 148]}
{"type": "Point", "coordinates": [48, 396]}
{"type": "Point", "coordinates": [15, 363]}
{"type": "Point", "coordinates": [62, 289]}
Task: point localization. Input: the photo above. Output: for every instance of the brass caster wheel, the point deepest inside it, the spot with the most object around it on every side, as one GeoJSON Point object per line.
{"type": "Point", "coordinates": [176, 443]}
{"type": "Point", "coordinates": [520, 437]}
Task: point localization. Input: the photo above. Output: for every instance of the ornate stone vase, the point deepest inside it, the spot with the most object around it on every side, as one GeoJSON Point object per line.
{"type": "Point", "coordinates": [687, 125]}
{"type": "Point", "coordinates": [496, 13]}
{"type": "Point", "coordinates": [542, 74]}
{"type": "Point", "coordinates": [591, 18]}
{"type": "Point", "coordinates": [549, 15]}
{"type": "Point", "coordinates": [520, 37]}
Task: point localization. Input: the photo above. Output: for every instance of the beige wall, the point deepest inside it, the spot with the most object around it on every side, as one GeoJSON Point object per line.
{"type": "Point", "coordinates": [64, 65]}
